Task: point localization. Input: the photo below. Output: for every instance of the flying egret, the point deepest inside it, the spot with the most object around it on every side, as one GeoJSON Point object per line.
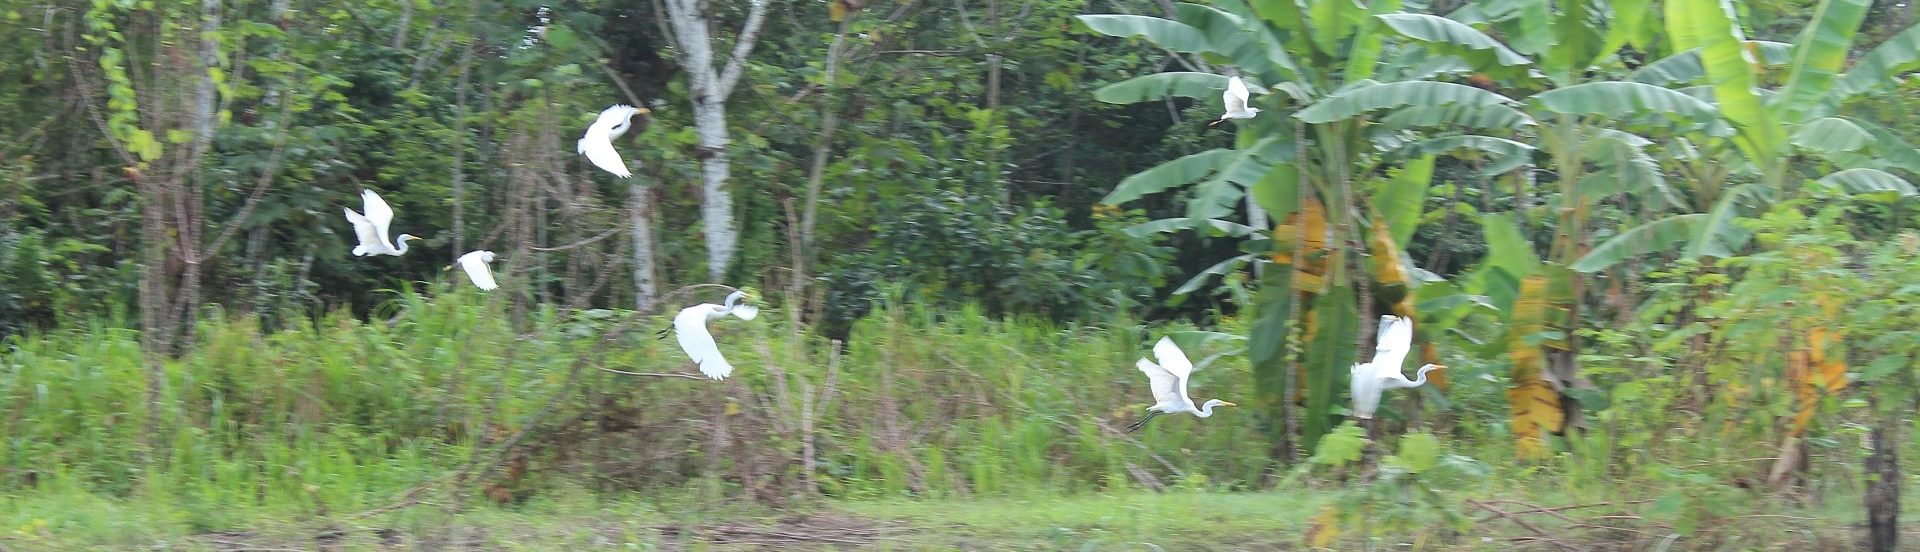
{"type": "Point", "coordinates": [690, 326]}
{"type": "Point", "coordinates": [371, 228]}
{"type": "Point", "coordinates": [1236, 100]}
{"type": "Point", "coordinates": [597, 144]}
{"type": "Point", "coordinates": [475, 263]}
{"type": "Point", "coordinates": [1370, 378]}
{"type": "Point", "coordinates": [1169, 383]}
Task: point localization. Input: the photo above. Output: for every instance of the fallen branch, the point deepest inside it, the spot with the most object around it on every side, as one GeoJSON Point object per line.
{"type": "Point", "coordinates": [648, 374]}
{"type": "Point", "coordinates": [1540, 535]}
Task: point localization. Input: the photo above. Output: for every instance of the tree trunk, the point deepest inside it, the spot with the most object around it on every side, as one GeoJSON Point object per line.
{"type": "Point", "coordinates": [646, 282]}
{"type": "Point", "coordinates": [716, 202]}
{"type": "Point", "coordinates": [709, 86]}
{"type": "Point", "coordinates": [1882, 494]}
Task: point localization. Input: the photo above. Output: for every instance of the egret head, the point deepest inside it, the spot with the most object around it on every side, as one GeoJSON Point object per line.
{"type": "Point", "coordinates": [404, 237]}
{"type": "Point", "coordinates": [1217, 402]}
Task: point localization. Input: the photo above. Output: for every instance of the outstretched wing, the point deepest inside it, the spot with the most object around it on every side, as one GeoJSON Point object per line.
{"type": "Point", "coordinates": [618, 119]}
{"type": "Point", "coordinates": [690, 327]}
{"type": "Point", "coordinates": [379, 214]}
{"type": "Point", "coordinates": [600, 152]}
{"type": "Point", "coordinates": [1394, 340]}
{"type": "Point", "coordinates": [1236, 95]}
{"type": "Point", "coordinates": [746, 312]}
{"type": "Point", "coordinates": [475, 263]}
{"type": "Point", "coordinates": [363, 230]}
{"type": "Point", "coordinates": [1162, 382]}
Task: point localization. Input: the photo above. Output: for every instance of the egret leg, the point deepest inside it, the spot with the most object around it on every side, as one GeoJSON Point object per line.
{"type": "Point", "coordinates": [1143, 422]}
{"type": "Point", "coordinates": [663, 332]}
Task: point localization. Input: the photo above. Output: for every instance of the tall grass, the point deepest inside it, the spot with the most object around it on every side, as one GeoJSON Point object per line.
{"type": "Point", "coordinates": [342, 415]}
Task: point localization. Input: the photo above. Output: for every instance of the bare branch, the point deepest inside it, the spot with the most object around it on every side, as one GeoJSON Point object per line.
{"type": "Point", "coordinates": [756, 16]}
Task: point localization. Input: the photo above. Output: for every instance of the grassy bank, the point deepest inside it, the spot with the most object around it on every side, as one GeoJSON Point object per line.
{"type": "Point", "coordinates": [441, 423]}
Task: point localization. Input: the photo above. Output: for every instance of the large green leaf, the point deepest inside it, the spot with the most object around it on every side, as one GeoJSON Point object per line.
{"type": "Point", "coordinates": [1471, 44]}
{"type": "Point", "coordinates": [1622, 166]}
{"type": "Point", "coordinates": [1631, 26]}
{"type": "Point", "coordinates": [1614, 99]}
{"type": "Point", "coordinates": [1227, 35]}
{"type": "Point", "coordinates": [1277, 191]}
{"type": "Point", "coordinates": [1404, 196]}
{"type": "Point", "coordinates": [1286, 16]}
{"type": "Point", "coordinates": [1878, 68]}
{"type": "Point", "coordinates": [1330, 357]}
{"type": "Point", "coordinates": [1178, 172]}
{"type": "Point", "coordinates": [1892, 151]}
{"type": "Point", "coordinates": [1489, 117]}
{"type": "Point", "coordinates": [1507, 248]}
{"type": "Point", "coordinates": [1218, 269]}
{"type": "Point", "coordinates": [1333, 22]}
{"type": "Point", "coordinates": [1350, 103]}
{"type": "Point", "coordinates": [1869, 181]}
{"type": "Point", "coordinates": [1659, 235]}
{"type": "Point", "coordinates": [1266, 348]}
{"type": "Point", "coordinates": [1165, 225]}
{"type": "Point", "coordinates": [1818, 56]}
{"type": "Point", "coordinates": [1681, 68]}
{"type": "Point", "coordinates": [1172, 35]}
{"type": "Point", "coordinates": [1717, 235]}
{"type": "Point", "coordinates": [1711, 26]}
{"type": "Point", "coordinates": [1503, 154]}
{"type": "Point", "coordinates": [1146, 88]}
{"type": "Point", "coordinates": [1831, 134]}
{"type": "Point", "coordinates": [1577, 41]}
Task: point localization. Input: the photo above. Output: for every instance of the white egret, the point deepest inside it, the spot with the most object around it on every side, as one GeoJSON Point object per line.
{"type": "Point", "coordinates": [1371, 378]}
{"type": "Point", "coordinates": [475, 263]}
{"type": "Point", "coordinates": [690, 327]}
{"type": "Point", "coordinates": [371, 228]}
{"type": "Point", "coordinates": [1236, 99]}
{"type": "Point", "coordinates": [597, 144]}
{"type": "Point", "coordinates": [1169, 382]}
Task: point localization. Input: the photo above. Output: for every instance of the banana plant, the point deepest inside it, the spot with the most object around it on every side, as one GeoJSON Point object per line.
{"type": "Point", "coordinates": [1346, 194]}
{"type": "Point", "coordinates": [1763, 129]}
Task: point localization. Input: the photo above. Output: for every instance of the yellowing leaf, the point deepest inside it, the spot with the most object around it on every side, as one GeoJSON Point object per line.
{"type": "Point", "coordinates": [1534, 404]}
{"type": "Point", "coordinates": [1326, 526]}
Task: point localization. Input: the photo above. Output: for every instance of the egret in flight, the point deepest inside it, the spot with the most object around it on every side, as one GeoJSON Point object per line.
{"type": "Point", "coordinates": [1169, 382]}
{"type": "Point", "coordinates": [1236, 99]}
{"type": "Point", "coordinates": [475, 263]}
{"type": "Point", "coordinates": [1370, 378]}
{"type": "Point", "coordinates": [371, 228]}
{"type": "Point", "coordinates": [597, 144]}
{"type": "Point", "coordinates": [690, 326]}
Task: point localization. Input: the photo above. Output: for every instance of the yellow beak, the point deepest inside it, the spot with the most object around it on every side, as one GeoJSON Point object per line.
{"type": "Point", "coordinates": [1225, 403]}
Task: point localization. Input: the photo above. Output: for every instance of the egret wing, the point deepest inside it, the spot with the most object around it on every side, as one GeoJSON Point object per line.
{"type": "Point", "coordinates": [1171, 358]}
{"type": "Point", "coordinates": [746, 312]}
{"type": "Point", "coordinates": [601, 153]}
{"type": "Point", "coordinates": [1236, 95]}
{"type": "Point", "coordinates": [378, 213]}
{"type": "Point", "coordinates": [363, 230]}
{"type": "Point", "coordinates": [615, 119]}
{"type": "Point", "coordinates": [690, 327]}
{"type": "Point", "coordinates": [1162, 382]}
{"type": "Point", "coordinates": [1390, 350]}
{"type": "Point", "coordinates": [475, 263]}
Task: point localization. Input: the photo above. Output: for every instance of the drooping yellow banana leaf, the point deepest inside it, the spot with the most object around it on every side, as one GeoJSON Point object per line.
{"type": "Point", "coordinates": [1534, 403]}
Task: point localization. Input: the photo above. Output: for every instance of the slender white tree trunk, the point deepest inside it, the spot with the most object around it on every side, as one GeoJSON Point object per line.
{"type": "Point", "coordinates": [710, 86]}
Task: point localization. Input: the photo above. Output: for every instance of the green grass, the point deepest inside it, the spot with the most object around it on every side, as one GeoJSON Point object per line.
{"type": "Point", "coordinates": [948, 429]}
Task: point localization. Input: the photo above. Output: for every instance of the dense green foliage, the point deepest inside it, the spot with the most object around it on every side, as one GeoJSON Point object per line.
{"type": "Point", "coordinates": [1664, 250]}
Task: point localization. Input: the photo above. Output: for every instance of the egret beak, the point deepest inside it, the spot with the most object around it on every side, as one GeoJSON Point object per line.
{"type": "Point", "coordinates": [642, 111]}
{"type": "Point", "coordinates": [1225, 403]}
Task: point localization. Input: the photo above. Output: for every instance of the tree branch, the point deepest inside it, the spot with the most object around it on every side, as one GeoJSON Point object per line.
{"type": "Point", "coordinates": [756, 16]}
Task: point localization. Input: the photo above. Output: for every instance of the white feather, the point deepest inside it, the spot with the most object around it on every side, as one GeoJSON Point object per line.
{"type": "Point", "coordinates": [1235, 100]}
{"type": "Point", "coordinates": [597, 144]}
{"type": "Point", "coordinates": [1371, 378]}
{"type": "Point", "coordinates": [690, 327]}
{"type": "Point", "coordinates": [371, 228]}
{"type": "Point", "coordinates": [475, 263]}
